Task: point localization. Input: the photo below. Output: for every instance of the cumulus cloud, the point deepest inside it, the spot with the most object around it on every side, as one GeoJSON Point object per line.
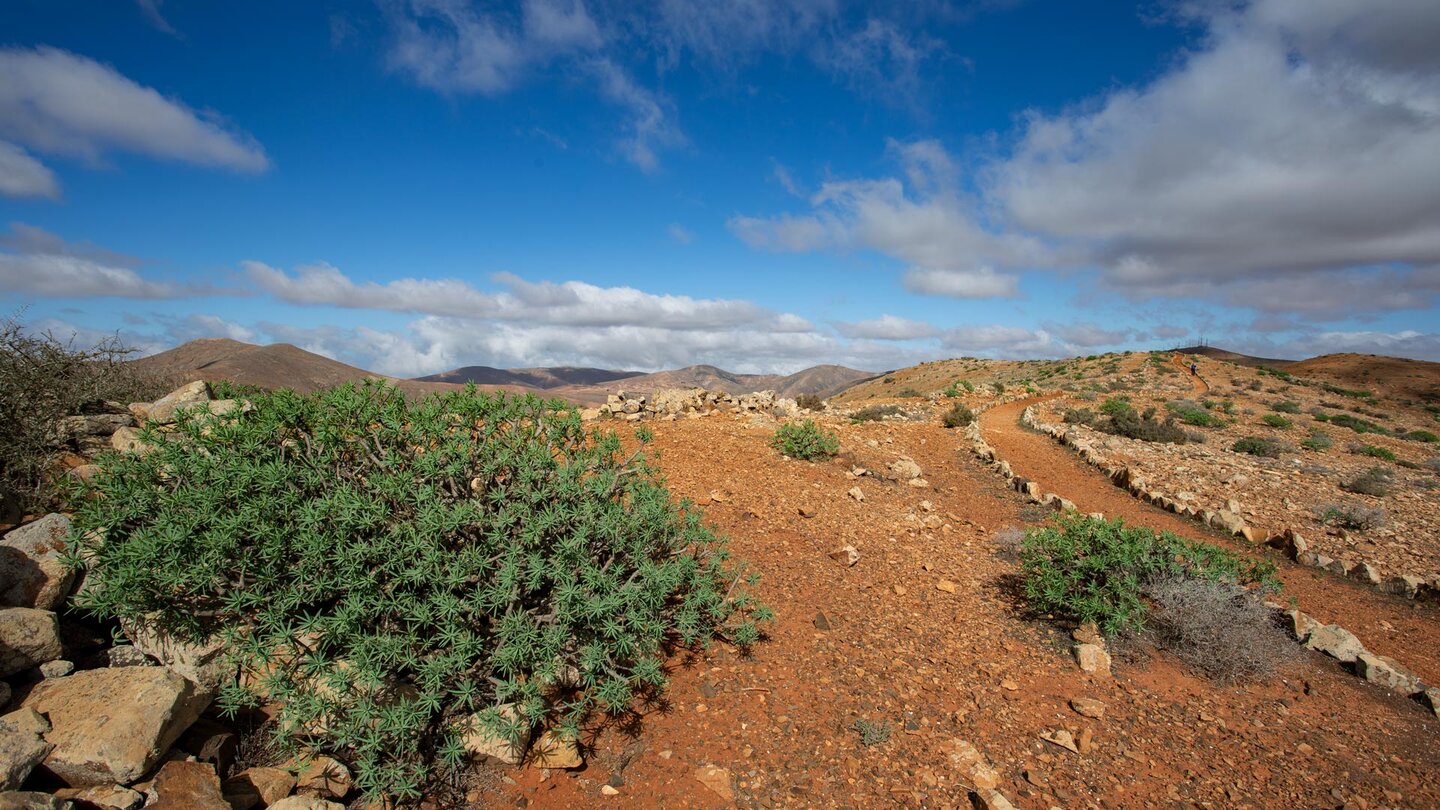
{"type": "Point", "coordinates": [37, 262]}
{"type": "Point", "coordinates": [59, 103]}
{"type": "Point", "coordinates": [887, 327]}
{"type": "Point", "coordinates": [574, 303]}
{"type": "Point", "coordinates": [1285, 164]}
{"type": "Point", "coordinates": [1005, 342]}
{"type": "Point", "coordinates": [24, 176]}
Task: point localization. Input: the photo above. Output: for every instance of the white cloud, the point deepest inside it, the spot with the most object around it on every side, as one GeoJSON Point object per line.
{"type": "Point", "coordinates": [24, 176]}
{"type": "Point", "coordinates": [41, 263]}
{"type": "Point", "coordinates": [151, 10]}
{"type": "Point", "coordinates": [680, 233]}
{"type": "Point", "coordinates": [650, 127]}
{"type": "Point", "coordinates": [59, 103]}
{"type": "Point", "coordinates": [1087, 335]}
{"type": "Point", "coordinates": [880, 59]}
{"type": "Point", "coordinates": [1286, 164]}
{"type": "Point", "coordinates": [1005, 342]}
{"type": "Point", "coordinates": [887, 327]}
{"type": "Point", "coordinates": [574, 303]}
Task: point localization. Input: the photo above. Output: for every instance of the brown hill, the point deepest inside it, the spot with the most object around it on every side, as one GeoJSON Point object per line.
{"type": "Point", "coordinates": [1234, 357]}
{"type": "Point", "coordinates": [1387, 376]}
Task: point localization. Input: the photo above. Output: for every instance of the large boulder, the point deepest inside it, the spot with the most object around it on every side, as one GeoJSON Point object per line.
{"type": "Point", "coordinates": [112, 725]}
{"type": "Point", "coordinates": [32, 573]}
{"type": "Point", "coordinates": [164, 408]}
{"type": "Point", "coordinates": [1336, 642]}
{"type": "Point", "coordinates": [28, 638]}
{"type": "Point", "coordinates": [22, 746]}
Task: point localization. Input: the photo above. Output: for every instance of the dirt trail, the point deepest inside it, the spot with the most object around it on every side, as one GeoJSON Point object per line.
{"type": "Point", "coordinates": [1196, 381]}
{"type": "Point", "coordinates": [1401, 629]}
{"type": "Point", "coordinates": [927, 638]}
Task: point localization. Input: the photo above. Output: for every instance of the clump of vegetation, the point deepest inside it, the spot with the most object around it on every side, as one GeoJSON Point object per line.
{"type": "Point", "coordinates": [954, 389]}
{"type": "Point", "coordinates": [1193, 414]}
{"type": "Point", "coordinates": [872, 733]}
{"type": "Point", "coordinates": [958, 416]}
{"type": "Point", "coordinates": [1356, 424]}
{"type": "Point", "coordinates": [43, 379]}
{"type": "Point", "coordinates": [1218, 628]}
{"type": "Point", "coordinates": [397, 575]}
{"type": "Point", "coordinates": [1376, 481]}
{"type": "Point", "coordinates": [1095, 570]}
{"type": "Point", "coordinates": [1121, 419]}
{"type": "Point", "coordinates": [1373, 452]}
{"type": "Point", "coordinates": [874, 413]}
{"type": "Point", "coordinates": [999, 387]}
{"type": "Point", "coordinates": [1078, 416]}
{"type": "Point", "coordinates": [1275, 420]}
{"type": "Point", "coordinates": [805, 440]}
{"type": "Point", "coordinates": [1352, 515]}
{"type": "Point", "coordinates": [1289, 406]}
{"type": "Point", "coordinates": [1318, 441]}
{"type": "Point", "coordinates": [1258, 446]}
{"type": "Point", "coordinates": [1347, 392]}
{"type": "Point", "coordinates": [810, 402]}
{"type": "Point", "coordinates": [1422, 436]}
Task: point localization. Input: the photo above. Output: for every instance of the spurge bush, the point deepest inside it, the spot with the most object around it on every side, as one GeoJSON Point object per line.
{"type": "Point", "coordinates": [396, 575]}
{"type": "Point", "coordinates": [805, 440]}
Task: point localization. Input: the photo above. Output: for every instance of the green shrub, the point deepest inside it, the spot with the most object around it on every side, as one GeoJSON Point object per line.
{"type": "Point", "coordinates": [1376, 481]}
{"type": "Point", "coordinates": [958, 416]}
{"type": "Point", "coordinates": [955, 388]}
{"type": "Point", "coordinates": [1375, 452]}
{"type": "Point", "coordinates": [1422, 436]}
{"type": "Point", "coordinates": [1123, 420]}
{"type": "Point", "coordinates": [1275, 420]}
{"type": "Point", "coordinates": [1079, 416]}
{"type": "Point", "coordinates": [1193, 414]}
{"type": "Point", "coordinates": [998, 387]}
{"type": "Point", "coordinates": [393, 573]}
{"type": "Point", "coordinates": [810, 402]}
{"type": "Point", "coordinates": [875, 413]}
{"type": "Point", "coordinates": [1094, 570]}
{"type": "Point", "coordinates": [1288, 406]}
{"type": "Point", "coordinates": [43, 379]}
{"type": "Point", "coordinates": [872, 733]}
{"type": "Point", "coordinates": [1258, 446]}
{"type": "Point", "coordinates": [805, 440]}
{"type": "Point", "coordinates": [1318, 441]}
{"type": "Point", "coordinates": [1356, 424]}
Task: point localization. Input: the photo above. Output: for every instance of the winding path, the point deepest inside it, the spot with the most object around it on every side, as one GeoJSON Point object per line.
{"type": "Point", "coordinates": [1405, 630]}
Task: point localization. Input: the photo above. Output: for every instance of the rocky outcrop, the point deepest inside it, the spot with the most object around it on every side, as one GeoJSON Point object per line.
{"type": "Point", "coordinates": [112, 725]}
{"type": "Point", "coordinates": [32, 573]}
{"type": "Point", "coordinates": [675, 403]}
{"type": "Point", "coordinates": [28, 638]}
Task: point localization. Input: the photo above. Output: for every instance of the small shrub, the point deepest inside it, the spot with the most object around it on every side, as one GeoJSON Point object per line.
{"type": "Point", "coordinates": [390, 573]}
{"type": "Point", "coordinates": [1079, 416]}
{"type": "Point", "coordinates": [907, 392]}
{"type": "Point", "coordinates": [874, 413]}
{"type": "Point", "coordinates": [999, 388]}
{"type": "Point", "coordinates": [1356, 424]}
{"type": "Point", "coordinates": [958, 416]}
{"type": "Point", "coordinates": [872, 733]}
{"type": "Point", "coordinates": [1218, 628]}
{"type": "Point", "coordinates": [1376, 481]}
{"type": "Point", "coordinates": [954, 389]}
{"type": "Point", "coordinates": [1373, 452]}
{"type": "Point", "coordinates": [1193, 414]}
{"type": "Point", "coordinates": [810, 402]}
{"type": "Point", "coordinates": [1122, 420]}
{"type": "Point", "coordinates": [1422, 436]}
{"type": "Point", "coordinates": [1275, 420]}
{"type": "Point", "coordinates": [1258, 446]}
{"type": "Point", "coordinates": [1092, 570]}
{"type": "Point", "coordinates": [1352, 515]}
{"type": "Point", "coordinates": [1288, 406]}
{"type": "Point", "coordinates": [1319, 441]}
{"type": "Point", "coordinates": [805, 440]}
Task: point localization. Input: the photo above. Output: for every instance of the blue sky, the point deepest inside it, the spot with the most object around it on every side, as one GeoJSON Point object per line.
{"type": "Point", "coordinates": [414, 185]}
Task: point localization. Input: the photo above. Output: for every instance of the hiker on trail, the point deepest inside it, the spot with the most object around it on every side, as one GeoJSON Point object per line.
{"type": "Point", "coordinates": [1194, 371]}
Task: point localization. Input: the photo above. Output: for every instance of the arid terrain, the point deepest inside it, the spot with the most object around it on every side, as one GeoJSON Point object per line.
{"type": "Point", "coordinates": [885, 679]}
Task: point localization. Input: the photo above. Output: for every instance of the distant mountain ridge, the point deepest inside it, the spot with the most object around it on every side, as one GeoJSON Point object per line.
{"type": "Point", "coordinates": [1234, 357]}
{"type": "Point", "coordinates": [282, 365]}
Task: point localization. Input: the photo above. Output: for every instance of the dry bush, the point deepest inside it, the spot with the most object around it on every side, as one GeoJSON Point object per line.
{"type": "Point", "coordinates": [1218, 628]}
{"type": "Point", "coordinates": [41, 380]}
{"type": "Point", "coordinates": [1352, 515]}
{"type": "Point", "coordinates": [810, 402]}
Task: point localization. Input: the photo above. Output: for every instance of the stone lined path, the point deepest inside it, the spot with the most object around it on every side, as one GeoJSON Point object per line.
{"type": "Point", "coordinates": [1402, 629]}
